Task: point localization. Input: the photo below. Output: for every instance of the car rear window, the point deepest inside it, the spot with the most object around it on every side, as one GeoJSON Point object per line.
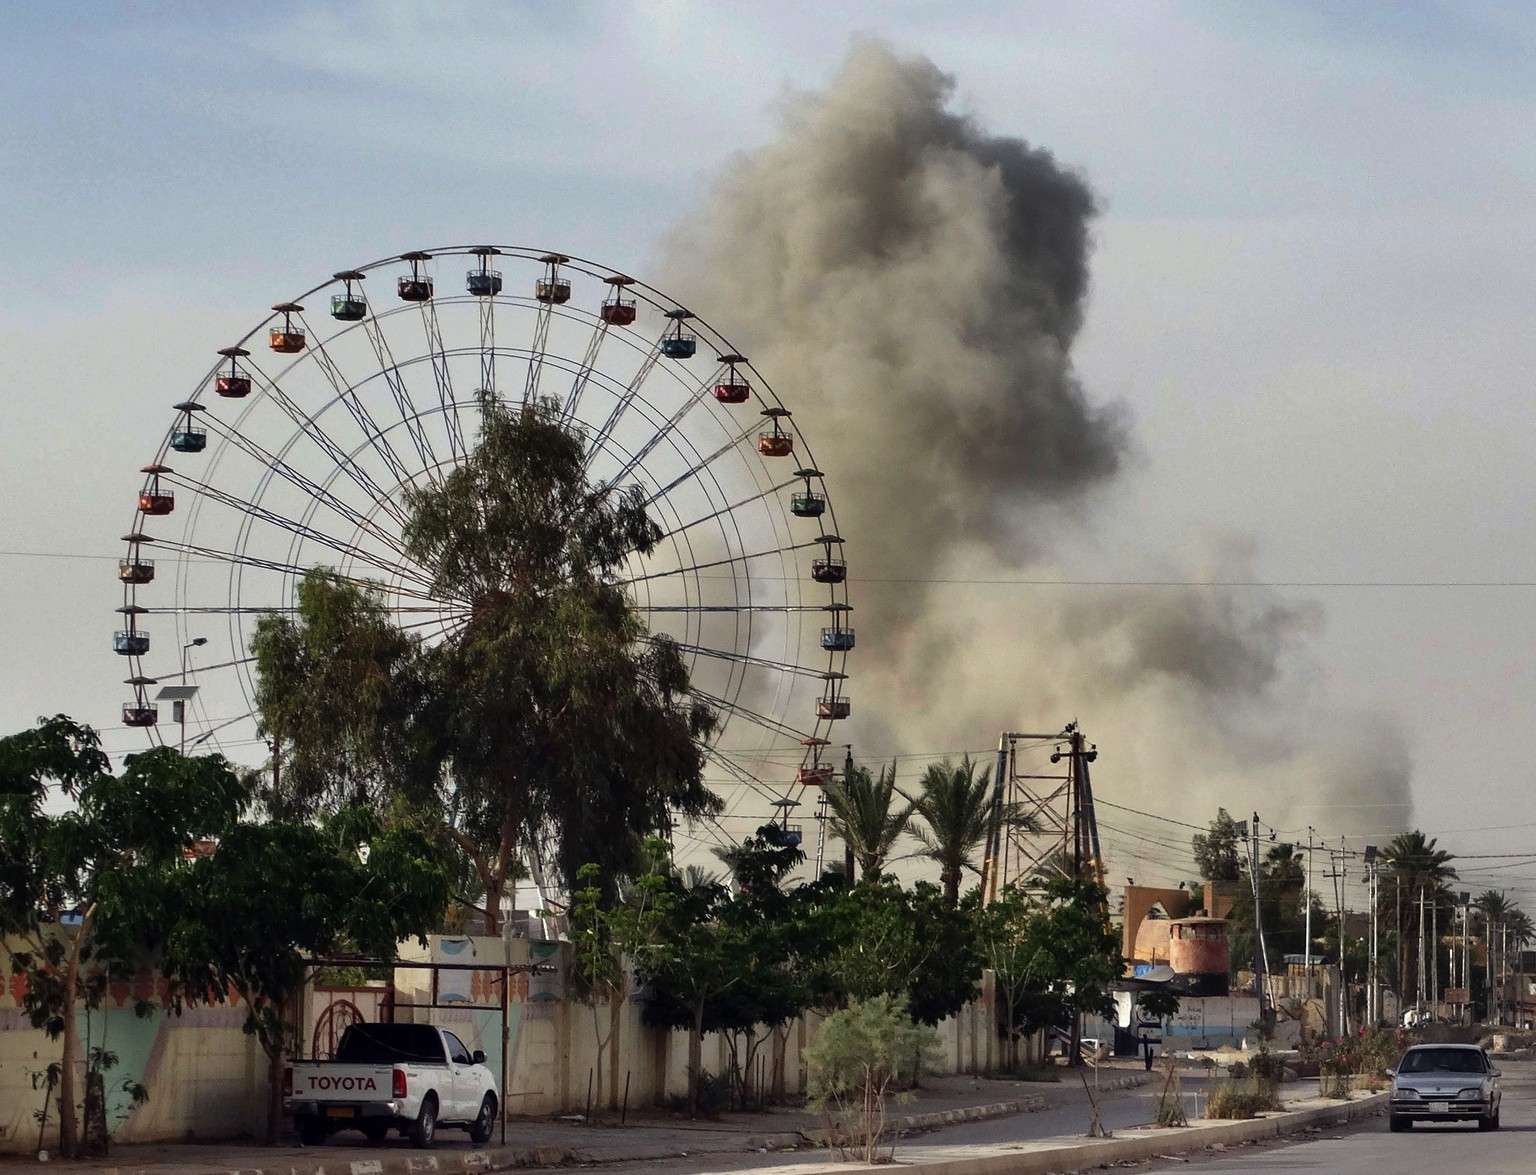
{"type": "Point", "coordinates": [383, 1044]}
{"type": "Point", "coordinates": [1442, 1061]}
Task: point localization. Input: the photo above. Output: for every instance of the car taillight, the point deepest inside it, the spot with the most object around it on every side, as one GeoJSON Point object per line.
{"type": "Point", "coordinates": [288, 1081]}
{"type": "Point", "coordinates": [399, 1085]}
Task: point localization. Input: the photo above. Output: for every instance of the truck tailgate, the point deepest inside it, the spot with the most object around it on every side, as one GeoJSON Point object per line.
{"type": "Point", "coordinates": [330, 1082]}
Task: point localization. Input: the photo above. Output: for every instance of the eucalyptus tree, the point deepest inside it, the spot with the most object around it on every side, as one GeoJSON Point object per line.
{"type": "Point", "coordinates": [868, 814]}
{"type": "Point", "coordinates": [549, 723]}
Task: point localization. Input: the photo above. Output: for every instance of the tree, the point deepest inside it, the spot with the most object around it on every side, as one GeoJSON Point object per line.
{"type": "Point", "coordinates": [1416, 868]}
{"type": "Point", "coordinates": [90, 888]}
{"type": "Point", "coordinates": [1004, 937]}
{"type": "Point", "coordinates": [1282, 889]}
{"type": "Point", "coordinates": [340, 690]}
{"type": "Point", "coordinates": [956, 806]}
{"type": "Point", "coordinates": [595, 976]}
{"type": "Point", "coordinates": [865, 815]}
{"type": "Point", "coordinates": [673, 932]}
{"type": "Point", "coordinates": [1219, 853]}
{"type": "Point", "coordinates": [881, 939]}
{"type": "Point", "coordinates": [248, 915]}
{"type": "Point", "coordinates": [1057, 952]}
{"type": "Point", "coordinates": [551, 722]}
{"type": "Point", "coordinates": [1160, 1005]}
{"type": "Point", "coordinates": [766, 922]}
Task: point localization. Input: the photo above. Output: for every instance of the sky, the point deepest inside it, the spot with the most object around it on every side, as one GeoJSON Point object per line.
{"type": "Point", "coordinates": [1309, 289]}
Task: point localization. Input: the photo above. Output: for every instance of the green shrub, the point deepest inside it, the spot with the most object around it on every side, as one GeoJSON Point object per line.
{"type": "Point", "coordinates": [1240, 1099]}
{"type": "Point", "coordinates": [1035, 1073]}
{"type": "Point", "coordinates": [860, 1055]}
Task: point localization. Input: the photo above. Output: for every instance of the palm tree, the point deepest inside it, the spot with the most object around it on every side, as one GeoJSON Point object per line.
{"type": "Point", "coordinates": [865, 815]}
{"type": "Point", "coordinates": [1499, 917]}
{"type": "Point", "coordinates": [956, 805]}
{"type": "Point", "coordinates": [1419, 872]}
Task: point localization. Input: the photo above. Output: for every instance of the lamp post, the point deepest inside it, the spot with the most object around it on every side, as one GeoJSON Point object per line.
{"type": "Point", "coordinates": [180, 695]}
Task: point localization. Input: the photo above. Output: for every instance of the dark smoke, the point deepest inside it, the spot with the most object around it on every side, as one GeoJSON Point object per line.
{"type": "Point", "coordinates": [912, 286]}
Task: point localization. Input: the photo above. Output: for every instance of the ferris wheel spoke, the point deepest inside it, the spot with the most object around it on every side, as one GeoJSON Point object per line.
{"type": "Point", "coordinates": [584, 369]}
{"type": "Point", "coordinates": [699, 468]}
{"type": "Point", "coordinates": [488, 344]}
{"type": "Point", "coordinates": [661, 434]}
{"type": "Point", "coordinates": [766, 721]}
{"type": "Point", "coordinates": [399, 392]}
{"type": "Point", "coordinates": [364, 419]}
{"type": "Point", "coordinates": [728, 509]}
{"type": "Point", "coordinates": [320, 494]}
{"type": "Point", "coordinates": [746, 659]}
{"type": "Point", "coordinates": [626, 398]}
{"type": "Point", "coordinates": [670, 608]}
{"type": "Point", "coordinates": [741, 775]}
{"type": "Point", "coordinates": [261, 513]}
{"type": "Point", "coordinates": [728, 561]}
{"type": "Point", "coordinates": [443, 379]}
{"type": "Point", "coordinates": [261, 610]}
{"type": "Point", "coordinates": [244, 559]}
{"type": "Point", "coordinates": [309, 426]}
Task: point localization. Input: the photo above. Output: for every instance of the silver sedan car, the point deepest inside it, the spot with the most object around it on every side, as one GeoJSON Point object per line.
{"type": "Point", "coordinates": [1445, 1083]}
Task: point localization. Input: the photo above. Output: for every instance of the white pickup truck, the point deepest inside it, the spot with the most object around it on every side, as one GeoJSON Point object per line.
{"type": "Point", "coordinates": [410, 1077]}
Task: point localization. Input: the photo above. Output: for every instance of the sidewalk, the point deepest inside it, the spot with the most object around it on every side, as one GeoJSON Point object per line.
{"type": "Point", "coordinates": [739, 1143]}
{"type": "Point", "coordinates": [648, 1136]}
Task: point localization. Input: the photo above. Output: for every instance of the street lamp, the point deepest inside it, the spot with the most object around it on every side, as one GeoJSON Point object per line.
{"type": "Point", "coordinates": [180, 695]}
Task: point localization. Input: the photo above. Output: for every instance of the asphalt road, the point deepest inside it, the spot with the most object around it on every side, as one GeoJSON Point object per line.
{"type": "Point", "coordinates": [1427, 1149]}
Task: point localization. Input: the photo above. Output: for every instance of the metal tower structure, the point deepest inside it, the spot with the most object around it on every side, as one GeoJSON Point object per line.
{"type": "Point", "coordinates": [1058, 834]}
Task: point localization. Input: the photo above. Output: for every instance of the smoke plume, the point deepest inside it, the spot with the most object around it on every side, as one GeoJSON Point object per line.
{"type": "Point", "coordinates": [912, 286]}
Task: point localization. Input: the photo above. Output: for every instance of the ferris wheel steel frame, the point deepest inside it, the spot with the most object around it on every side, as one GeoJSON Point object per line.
{"type": "Point", "coordinates": [702, 479]}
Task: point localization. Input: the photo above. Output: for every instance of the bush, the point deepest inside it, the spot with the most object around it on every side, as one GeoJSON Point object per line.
{"type": "Point", "coordinates": [714, 1096]}
{"type": "Point", "coordinates": [860, 1054]}
{"type": "Point", "coordinates": [1035, 1073]}
{"type": "Point", "coordinates": [1240, 1099]}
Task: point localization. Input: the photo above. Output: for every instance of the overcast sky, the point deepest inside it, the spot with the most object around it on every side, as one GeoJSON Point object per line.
{"type": "Point", "coordinates": [1310, 287]}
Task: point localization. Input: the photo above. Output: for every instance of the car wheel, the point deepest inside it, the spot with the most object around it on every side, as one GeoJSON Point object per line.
{"type": "Point", "coordinates": [485, 1120]}
{"type": "Point", "coordinates": [375, 1132]}
{"type": "Point", "coordinates": [312, 1131]}
{"type": "Point", "coordinates": [1491, 1122]}
{"type": "Point", "coordinates": [424, 1129]}
{"type": "Point", "coordinates": [1396, 1123]}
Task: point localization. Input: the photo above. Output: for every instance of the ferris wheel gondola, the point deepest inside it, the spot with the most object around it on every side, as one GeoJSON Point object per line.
{"type": "Point", "coordinates": [298, 446]}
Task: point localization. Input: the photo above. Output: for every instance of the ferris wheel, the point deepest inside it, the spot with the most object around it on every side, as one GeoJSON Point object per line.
{"type": "Point", "coordinates": [296, 450]}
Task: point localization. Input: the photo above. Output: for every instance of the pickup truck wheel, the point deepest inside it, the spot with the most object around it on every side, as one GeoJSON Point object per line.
{"type": "Point", "coordinates": [375, 1132]}
{"type": "Point", "coordinates": [424, 1129]}
{"type": "Point", "coordinates": [480, 1129]}
{"type": "Point", "coordinates": [312, 1131]}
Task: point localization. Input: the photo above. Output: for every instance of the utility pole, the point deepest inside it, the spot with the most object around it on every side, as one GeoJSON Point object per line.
{"type": "Point", "coordinates": [1373, 995]}
{"type": "Point", "coordinates": [1434, 958]}
{"type": "Point", "coordinates": [1260, 952]}
{"type": "Point", "coordinates": [1307, 900]}
{"type": "Point", "coordinates": [1336, 874]}
{"type": "Point", "coordinates": [1420, 1001]}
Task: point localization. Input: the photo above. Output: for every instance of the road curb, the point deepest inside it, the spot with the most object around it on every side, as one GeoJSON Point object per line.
{"type": "Point", "coordinates": [1150, 1144]}
{"type": "Point", "coordinates": [1029, 1103]}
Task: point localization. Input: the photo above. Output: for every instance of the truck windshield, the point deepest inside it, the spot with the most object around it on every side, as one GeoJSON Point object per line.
{"type": "Point", "coordinates": [383, 1044]}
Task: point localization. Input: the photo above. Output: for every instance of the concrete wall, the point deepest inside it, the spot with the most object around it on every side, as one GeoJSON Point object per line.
{"type": "Point", "coordinates": [205, 1076]}
{"type": "Point", "coordinates": [552, 1044]}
